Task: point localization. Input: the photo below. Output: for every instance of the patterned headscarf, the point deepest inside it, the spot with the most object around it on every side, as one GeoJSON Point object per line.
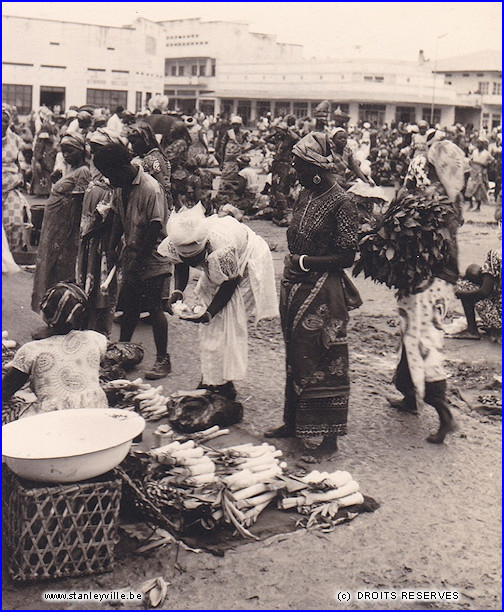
{"type": "Point", "coordinates": [64, 305]}
{"type": "Point", "coordinates": [75, 140]}
{"type": "Point", "coordinates": [105, 136]}
{"type": "Point", "coordinates": [315, 149]}
{"type": "Point", "coordinates": [146, 133]}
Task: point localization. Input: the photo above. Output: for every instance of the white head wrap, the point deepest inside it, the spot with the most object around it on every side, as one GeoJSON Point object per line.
{"type": "Point", "coordinates": [236, 119]}
{"type": "Point", "coordinates": [187, 232]}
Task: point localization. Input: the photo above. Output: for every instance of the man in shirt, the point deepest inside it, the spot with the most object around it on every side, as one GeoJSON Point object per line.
{"type": "Point", "coordinates": [140, 214]}
{"type": "Point", "coordinates": [115, 122]}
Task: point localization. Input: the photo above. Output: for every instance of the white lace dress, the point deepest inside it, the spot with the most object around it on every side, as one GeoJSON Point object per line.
{"type": "Point", "coordinates": [233, 250]}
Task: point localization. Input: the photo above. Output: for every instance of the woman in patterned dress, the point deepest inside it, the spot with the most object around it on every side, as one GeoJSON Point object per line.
{"type": "Point", "coordinates": [16, 215]}
{"type": "Point", "coordinates": [59, 236]}
{"type": "Point", "coordinates": [435, 178]}
{"type": "Point", "coordinates": [322, 240]}
{"type": "Point", "coordinates": [481, 293]}
{"type": "Point", "coordinates": [151, 157]}
{"type": "Point", "coordinates": [63, 368]}
{"type": "Point", "coordinates": [95, 230]}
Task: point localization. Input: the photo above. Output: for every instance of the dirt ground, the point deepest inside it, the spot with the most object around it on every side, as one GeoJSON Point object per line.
{"type": "Point", "coordinates": [439, 524]}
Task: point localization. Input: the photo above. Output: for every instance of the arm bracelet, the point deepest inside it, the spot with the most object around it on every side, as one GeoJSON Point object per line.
{"type": "Point", "coordinates": [301, 263]}
{"type": "Point", "coordinates": [181, 293]}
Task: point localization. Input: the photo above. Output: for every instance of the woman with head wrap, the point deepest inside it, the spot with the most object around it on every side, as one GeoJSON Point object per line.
{"type": "Point", "coordinates": [59, 236]}
{"type": "Point", "coordinates": [151, 157]}
{"type": "Point", "coordinates": [477, 185]}
{"type": "Point", "coordinates": [44, 157]}
{"type": "Point", "coordinates": [234, 144]}
{"type": "Point", "coordinates": [415, 251]}
{"type": "Point", "coordinates": [198, 149]}
{"type": "Point", "coordinates": [176, 152]}
{"type": "Point", "coordinates": [346, 167]}
{"type": "Point", "coordinates": [237, 278]}
{"type": "Point", "coordinates": [15, 209]}
{"type": "Point", "coordinates": [63, 368]}
{"type": "Point", "coordinates": [283, 176]}
{"type": "Point", "coordinates": [95, 229]}
{"type": "Point", "coordinates": [322, 240]}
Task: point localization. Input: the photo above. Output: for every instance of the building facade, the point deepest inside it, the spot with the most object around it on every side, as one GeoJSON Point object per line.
{"type": "Point", "coordinates": [477, 81]}
{"type": "Point", "coordinates": [221, 67]}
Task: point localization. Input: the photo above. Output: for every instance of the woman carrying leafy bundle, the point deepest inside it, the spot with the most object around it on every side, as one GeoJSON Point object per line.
{"type": "Point", "coordinates": [415, 251]}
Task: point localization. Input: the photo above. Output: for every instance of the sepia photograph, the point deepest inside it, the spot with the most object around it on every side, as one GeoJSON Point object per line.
{"type": "Point", "coordinates": [252, 305]}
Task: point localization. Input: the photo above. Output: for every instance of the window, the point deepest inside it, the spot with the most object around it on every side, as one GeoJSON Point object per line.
{"type": "Point", "coordinates": [483, 87]}
{"type": "Point", "coordinates": [194, 70]}
{"type": "Point", "coordinates": [202, 70]}
{"type": "Point", "coordinates": [465, 74]}
{"type": "Point", "coordinates": [263, 107]}
{"type": "Point", "coordinates": [96, 69]}
{"type": "Point", "coordinates": [181, 70]}
{"type": "Point", "coordinates": [107, 97]}
{"type": "Point", "coordinates": [480, 74]}
{"type": "Point", "coordinates": [448, 74]}
{"type": "Point", "coordinates": [19, 96]}
{"type": "Point", "coordinates": [379, 79]}
{"type": "Point", "coordinates": [374, 113]}
{"type": "Point", "coordinates": [368, 78]}
{"type": "Point", "coordinates": [406, 114]}
{"type": "Point", "coordinates": [55, 44]}
{"type": "Point", "coordinates": [138, 101]}
{"type": "Point", "coordinates": [436, 115]}
{"type": "Point", "coordinates": [213, 68]}
{"type": "Point", "coordinates": [243, 108]}
{"type": "Point", "coordinates": [282, 108]}
{"type": "Point", "coordinates": [496, 89]}
{"type": "Point", "coordinates": [148, 96]}
{"type": "Point", "coordinates": [300, 109]}
{"type": "Point", "coordinates": [174, 70]}
{"type": "Point", "coordinates": [169, 92]}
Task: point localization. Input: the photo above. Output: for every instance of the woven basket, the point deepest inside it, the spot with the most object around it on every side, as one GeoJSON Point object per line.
{"type": "Point", "coordinates": [59, 531]}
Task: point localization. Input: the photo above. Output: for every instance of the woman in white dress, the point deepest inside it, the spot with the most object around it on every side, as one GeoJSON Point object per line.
{"type": "Point", "coordinates": [237, 279]}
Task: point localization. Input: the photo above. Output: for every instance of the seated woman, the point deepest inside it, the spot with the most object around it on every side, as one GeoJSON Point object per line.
{"type": "Point", "coordinates": [480, 293]}
{"type": "Point", "coordinates": [63, 369]}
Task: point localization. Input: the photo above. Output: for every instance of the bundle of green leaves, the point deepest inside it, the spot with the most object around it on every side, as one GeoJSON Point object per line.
{"type": "Point", "coordinates": [410, 244]}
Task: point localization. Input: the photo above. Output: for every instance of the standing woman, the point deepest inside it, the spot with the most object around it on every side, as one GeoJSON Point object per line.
{"type": "Point", "coordinates": [59, 236]}
{"type": "Point", "coordinates": [95, 230]}
{"type": "Point", "coordinates": [152, 158]}
{"type": "Point", "coordinates": [477, 185]}
{"type": "Point", "coordinates": [176, 152]}
{"type": "Point", "coordinates": [234, 145]}
{"type": "Point", "coordinates": [15, 210]}
{"type": "Point", "coordinates": [414, 250]}
{"type": "Point", "coordinates": [44, 157]}
{"type": "Point", "coordinates": [322, 240]}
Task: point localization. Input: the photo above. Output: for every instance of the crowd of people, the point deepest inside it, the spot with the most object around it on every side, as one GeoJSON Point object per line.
{"type": "Point", "coordinates": [132, 206]}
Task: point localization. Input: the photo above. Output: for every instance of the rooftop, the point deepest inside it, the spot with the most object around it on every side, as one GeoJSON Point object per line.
{"type": "Point", "coordinates": [489, 60]}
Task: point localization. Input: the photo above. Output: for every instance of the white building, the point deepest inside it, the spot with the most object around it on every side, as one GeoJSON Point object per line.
{"type": "Point", "coordinates": [221, 67]}
{"type": "Point", "coordinates": [477, 80]}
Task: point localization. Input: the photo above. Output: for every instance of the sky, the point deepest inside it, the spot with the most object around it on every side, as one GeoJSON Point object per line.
{"type": "Point", "coordinates": [394, 30]}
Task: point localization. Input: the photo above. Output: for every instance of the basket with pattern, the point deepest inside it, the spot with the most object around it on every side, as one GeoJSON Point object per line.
{"type": "Point", "coordinates": [59, 531]}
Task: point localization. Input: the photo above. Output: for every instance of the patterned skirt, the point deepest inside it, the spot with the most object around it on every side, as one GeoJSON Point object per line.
{"type": "Point", "coordinates": [314, 322]}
